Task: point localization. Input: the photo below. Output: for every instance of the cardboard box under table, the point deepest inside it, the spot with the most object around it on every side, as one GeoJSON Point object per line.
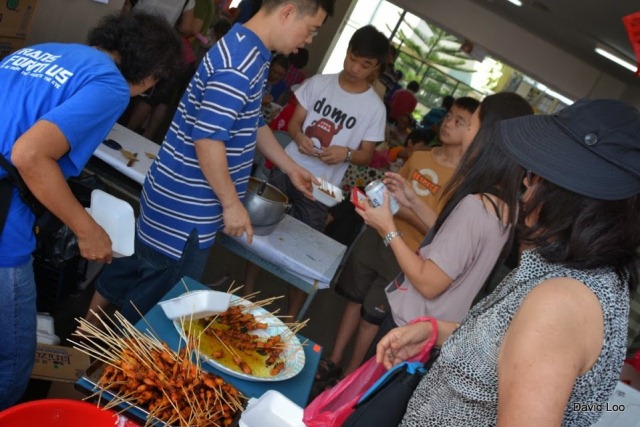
{"type": "Point", "coordinates": [57, 363]}
{"type": "Point", "coordinates": [297, 389]}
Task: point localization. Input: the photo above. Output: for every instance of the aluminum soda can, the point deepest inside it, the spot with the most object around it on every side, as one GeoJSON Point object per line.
{"type": "Point", "coordinates": [375, 192]}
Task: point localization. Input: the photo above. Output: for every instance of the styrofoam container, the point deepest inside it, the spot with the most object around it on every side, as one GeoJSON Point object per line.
{"type": "Point", "coordinates": [196, 305]}
{"type": "Point", "coordinates": [272, 409]}
{"type": "Point", "coordinates": [323, 197]}
{"type": "Point", "coordinates": [117, 218]}
{"type": "Point", "coordinates": [45, 330]}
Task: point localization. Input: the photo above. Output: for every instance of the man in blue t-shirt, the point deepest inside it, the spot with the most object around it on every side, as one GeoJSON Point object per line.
{"type": "Point", "coordinates": [59, 102]}
{"type": "Point", "coordinates": [196, 186]}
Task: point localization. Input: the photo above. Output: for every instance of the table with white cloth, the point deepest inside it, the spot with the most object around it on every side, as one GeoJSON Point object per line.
{"type": "Point", "coordinates": [294, 252]}
{"type": "Point", "coordinates": [145, 149]}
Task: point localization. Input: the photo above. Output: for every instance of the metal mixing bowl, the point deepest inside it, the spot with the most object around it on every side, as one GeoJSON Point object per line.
{"type": "Point", "coordinates": [265, 204]}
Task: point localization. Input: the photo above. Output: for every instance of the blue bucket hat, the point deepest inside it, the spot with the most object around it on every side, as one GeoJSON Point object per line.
{"type": "Point", "coordinates": [591, 147]}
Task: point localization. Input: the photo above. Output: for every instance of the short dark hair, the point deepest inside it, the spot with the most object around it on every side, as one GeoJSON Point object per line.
{"type": "Point", "coordinates": [306, 7]}
{"type": "Point", "coordinates": [413, 86]}
{"type": "Point", "coordinates": [582, 232]}
{"type": "Point", "coordinates": [467, 103]}
{"type": "Point", "coordinates": [369, 42]}
{"type": "Point", "coordinates": [420, 135]}
{"type": "Point", "coordinates": [447, 102]}
{"type": "Point", "coordinates": [300, 59]}
{"type": "Point", "coordinates": [146, 45]}
{"type": "Point", "coordinates": [486, 167]}
{"type": "Point", "coordinates": [221, 28]}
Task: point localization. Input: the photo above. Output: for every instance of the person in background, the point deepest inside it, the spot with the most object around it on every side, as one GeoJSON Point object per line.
{"type": "Point", "coordinates": [246, 10]}
{"type": "Point", "coordinates": [395, 86]}
{"type": "Point", "coordinates": [417, 140]}
{"type": "Point", "coordinates": [371, 265]}
{"type": "Point", "coordinates": [337, 121]}
{"type": "Point", "coordinates": [295, 75]}
{"type": "Point", "coordinates": [403, 101]}
{"type": "Point", "coordinates": [149, 110]}
{"type": "Point", "coordinates": [434, 117]}
{"type": "Point", "coordinates": [51, 126]}
{"type": "Point", "coordinates": [277, 71]}
{"type": "Point", "coordinates": [388, 76]}
{"type": "Point", "coordinates": [377, 85]}
{"type": "Point", "coordinates": [398, 131]}
{"type": "Point", "coordinates": [551, 338]}
{"type": "Point", "coordinates": [195, 187]}
{"type": "Point", "coordinates": [203, 15]}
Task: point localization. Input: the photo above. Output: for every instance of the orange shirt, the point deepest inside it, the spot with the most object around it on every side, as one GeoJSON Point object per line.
{"type": "Point", "coordinates": [428, 179]}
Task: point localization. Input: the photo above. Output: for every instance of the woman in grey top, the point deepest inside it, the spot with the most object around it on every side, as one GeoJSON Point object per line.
{"type": "Point", "coordinates": [467, 238]}
{"type": "Point", "coordinates": [549, 343]}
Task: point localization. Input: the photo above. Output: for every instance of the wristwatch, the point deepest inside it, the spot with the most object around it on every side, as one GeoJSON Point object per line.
{"type": "Point", "coordinates": [390, 236]}
{"type": "Point", "coordinates": [349, 152]}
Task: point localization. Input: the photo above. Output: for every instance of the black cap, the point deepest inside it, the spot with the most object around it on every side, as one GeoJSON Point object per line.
{"type": "Point", "coordinates": [591, 147]}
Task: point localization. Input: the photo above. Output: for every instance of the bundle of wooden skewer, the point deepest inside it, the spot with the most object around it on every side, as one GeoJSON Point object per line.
{"type": "Point", "coordinates": [140, 370]}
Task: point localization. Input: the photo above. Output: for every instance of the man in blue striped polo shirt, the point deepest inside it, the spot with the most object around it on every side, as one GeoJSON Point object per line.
{"type": "Point", "coordinates": [197, 184]}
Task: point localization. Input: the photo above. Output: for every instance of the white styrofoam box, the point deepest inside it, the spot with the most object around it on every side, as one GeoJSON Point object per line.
{"type": "Point", "coordinates": [622, 410]}
{"type": "Point", "coordinates": [330, 196]}
{"type": "Point", "coordinates": [45, 330]}
{"type": "Point", "coordinates": [196, 304]}
{"type": "Point", "coordinates": [117, 218]}
{"type": "Point", "coordinates": [272, 409]}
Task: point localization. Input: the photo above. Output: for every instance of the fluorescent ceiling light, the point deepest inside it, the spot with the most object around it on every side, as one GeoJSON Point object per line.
{"type": "Point", "coordinates": [516, 2]}
{"type": "Point", "coordinates": [559, 97]}
{"type": "Point", "coordinates": [611, 56]}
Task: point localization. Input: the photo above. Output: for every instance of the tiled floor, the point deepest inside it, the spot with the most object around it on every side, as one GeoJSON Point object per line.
{"type": "Point", "coordinates": [324, 313]}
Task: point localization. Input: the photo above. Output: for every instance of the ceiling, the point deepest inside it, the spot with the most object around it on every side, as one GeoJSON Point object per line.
{"type": "Point", "coordinates": [576, 26]}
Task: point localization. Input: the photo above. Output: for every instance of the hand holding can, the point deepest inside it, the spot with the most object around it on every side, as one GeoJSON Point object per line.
{"type": "Point", "coordinates": [375, 192]}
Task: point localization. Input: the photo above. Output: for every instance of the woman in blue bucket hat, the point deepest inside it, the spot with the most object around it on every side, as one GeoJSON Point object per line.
{"type": "Point", "coordinates": [547, 346]}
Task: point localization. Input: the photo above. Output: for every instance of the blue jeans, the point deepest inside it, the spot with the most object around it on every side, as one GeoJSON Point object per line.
{"type": "Point", "coordinates": [141, 280]}
{"type": "Point", "coordinates": [18, 335]}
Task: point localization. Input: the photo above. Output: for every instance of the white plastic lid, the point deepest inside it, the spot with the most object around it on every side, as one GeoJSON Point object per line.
{"type": "Point", "coordinates": [272, 409]}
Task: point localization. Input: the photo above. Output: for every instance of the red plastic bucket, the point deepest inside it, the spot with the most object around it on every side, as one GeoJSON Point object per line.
{"type": "Point", "coordinates": [57, 413]}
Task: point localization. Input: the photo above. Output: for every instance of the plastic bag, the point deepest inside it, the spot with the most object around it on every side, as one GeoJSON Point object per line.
{"type": "Point", "coordinates": [332, 407]}
{"type": "Point", "coordinates": [385, 403]}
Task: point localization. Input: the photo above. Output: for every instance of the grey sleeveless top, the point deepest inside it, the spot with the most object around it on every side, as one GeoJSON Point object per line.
{"type": "Point", "coordinates": [461, 389]}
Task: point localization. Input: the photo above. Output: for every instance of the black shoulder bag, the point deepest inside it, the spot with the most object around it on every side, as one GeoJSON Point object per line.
{"type": "Point", "coordinates": [54, 240]}
{"type": "Point", "coordinates": [7, 183]}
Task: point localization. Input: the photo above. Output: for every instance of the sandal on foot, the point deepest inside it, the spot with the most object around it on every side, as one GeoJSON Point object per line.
{"type": "Point", "coordinates": [327, 370]}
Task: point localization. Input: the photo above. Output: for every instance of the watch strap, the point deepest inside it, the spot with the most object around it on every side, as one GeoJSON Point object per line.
{"type": "Point", "coordinates": [390, 236]}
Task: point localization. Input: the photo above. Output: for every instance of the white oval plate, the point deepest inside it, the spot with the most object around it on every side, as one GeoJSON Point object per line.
{"type": "Point", "coordinates": [293, 355]}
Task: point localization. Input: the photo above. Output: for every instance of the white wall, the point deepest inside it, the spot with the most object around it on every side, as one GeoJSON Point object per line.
{"type": "Point", "coordinates": [67, 21]}
{"type": "Point", "coordinates": [525, 51]}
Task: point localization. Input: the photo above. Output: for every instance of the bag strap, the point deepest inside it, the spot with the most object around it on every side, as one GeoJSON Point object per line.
{"type": "Point", "coordinates": [14, 177]}
{"type": "Point", "coordinates": [423, 356]}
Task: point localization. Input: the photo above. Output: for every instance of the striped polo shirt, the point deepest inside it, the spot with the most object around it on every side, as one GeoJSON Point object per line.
{"type": "Point", "coordinates": [222, 103]}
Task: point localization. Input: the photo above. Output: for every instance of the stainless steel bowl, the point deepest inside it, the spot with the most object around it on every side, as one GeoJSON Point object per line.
{"type": "Point", "coordinates": [265, 204]}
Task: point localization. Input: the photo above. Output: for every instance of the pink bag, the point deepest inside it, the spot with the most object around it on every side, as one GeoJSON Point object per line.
{"type": "Point", "coordinates": [333, 406]}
